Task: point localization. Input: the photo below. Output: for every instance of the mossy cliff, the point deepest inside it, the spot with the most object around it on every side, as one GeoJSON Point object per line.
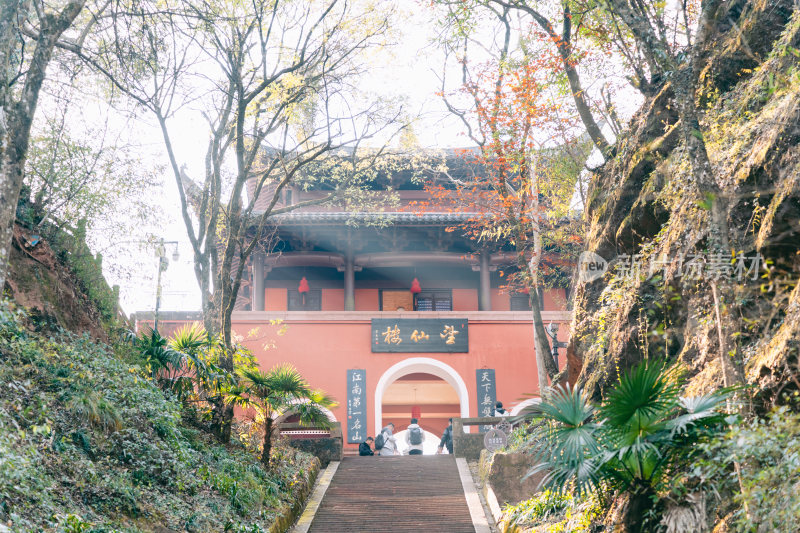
{"type": "Point", "coordinates": [640, 214]}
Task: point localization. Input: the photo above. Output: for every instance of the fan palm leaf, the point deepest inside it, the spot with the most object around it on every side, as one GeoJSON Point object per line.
{"type": "Point", "coordinates": [699, 410]}
{"type": "Point", "coordinates": [642, 396]}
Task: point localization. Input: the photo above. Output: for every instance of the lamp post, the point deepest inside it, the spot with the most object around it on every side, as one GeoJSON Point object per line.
{"type": "Point", "coordinates": [552, 332]}
{"type": "Point", "coordinates": [163, 263]}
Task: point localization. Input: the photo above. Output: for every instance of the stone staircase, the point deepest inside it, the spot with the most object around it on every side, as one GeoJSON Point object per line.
{"type": "Point", "coordinates": [403, 493]}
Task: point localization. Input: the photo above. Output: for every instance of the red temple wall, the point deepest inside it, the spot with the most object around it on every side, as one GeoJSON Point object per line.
{"type": "Point", "coordinates": [366, 299]}
{"type": "Point", "coordinates": [323, 351]}
{"type": "Point", "coordinates": [275, 299]}
{"type": "Point", "coordinates": [465, 299]}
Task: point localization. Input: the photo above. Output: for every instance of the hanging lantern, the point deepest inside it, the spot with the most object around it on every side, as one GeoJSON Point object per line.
{"type": "Point", "coordinates": [416, 412]}
{"type": "Point", "coordinates": [415, 287]}
{"type": "Point", "coordinates": [303, 289]}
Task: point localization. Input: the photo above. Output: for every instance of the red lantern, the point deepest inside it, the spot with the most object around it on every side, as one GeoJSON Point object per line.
{"type": "Point", "coordinates": [416, 412]}
{"type": "Point", "coordinates": [415, 287]}
{"type": "Point", "coordinates": [303, 288]}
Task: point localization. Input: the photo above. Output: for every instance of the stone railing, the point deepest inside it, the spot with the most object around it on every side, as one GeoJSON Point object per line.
{"type": "Point", "coordinates": [469, 445]}
{"type": "Point", "coordinates": [324, 443]}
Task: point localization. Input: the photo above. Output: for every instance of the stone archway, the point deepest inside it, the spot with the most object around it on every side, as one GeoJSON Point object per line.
{"type": "Point", "coordinates": [425, 365]}
{"type": "Point", "coordinates": [517, 409]}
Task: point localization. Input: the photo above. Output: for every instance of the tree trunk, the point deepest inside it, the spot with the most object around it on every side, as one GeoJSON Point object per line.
{"type": "Point", "coordinates": [639, 503]}
{"type": "Point", "coordinates": [564, 45]}
{"type": "Point", "coordinates": [16, 116]}
{"type": "Point", "coordinates": [267, 449]}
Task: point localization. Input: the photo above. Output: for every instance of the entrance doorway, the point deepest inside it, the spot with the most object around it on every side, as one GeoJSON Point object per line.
{"type": "Point", "coordinates": [420, 385]}
{"type": "Point", "coordinates": [430, 398]}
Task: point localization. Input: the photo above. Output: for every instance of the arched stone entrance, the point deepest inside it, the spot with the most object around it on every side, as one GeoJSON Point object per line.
{"type": "Point", "coordinates": [517, 409]}
{"type": "Point", "coordinates": [423, 365]}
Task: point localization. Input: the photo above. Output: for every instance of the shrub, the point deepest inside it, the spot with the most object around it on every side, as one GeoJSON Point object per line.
{"type": "Point", "coordinates": [768, 451]}
{"type": "Point", "coordinates": [631, 443]}
{"type": "Point", "coordinates": [89, 442]}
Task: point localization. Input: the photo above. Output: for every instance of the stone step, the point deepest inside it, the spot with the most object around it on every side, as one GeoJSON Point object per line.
{"type": "Point", "coordinates": [402, 493]}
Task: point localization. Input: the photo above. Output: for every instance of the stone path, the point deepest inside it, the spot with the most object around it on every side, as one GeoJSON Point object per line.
{"type": "Point", "coordinates": [404, 493]}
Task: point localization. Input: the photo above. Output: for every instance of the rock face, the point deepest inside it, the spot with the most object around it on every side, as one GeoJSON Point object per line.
{"type": "Point", "coordinates": [640, 217]}
{"type": "Point", "coordinates": [505, 474]}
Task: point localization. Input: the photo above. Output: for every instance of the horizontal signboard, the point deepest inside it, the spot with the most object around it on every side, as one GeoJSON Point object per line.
{"type": "Point", "coordinates": [418, 335]}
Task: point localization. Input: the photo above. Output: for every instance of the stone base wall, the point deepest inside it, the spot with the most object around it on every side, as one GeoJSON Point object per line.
{"type": "Point", "coordinates": [290, 514]}
{"type": "Point", "coordinates": [503, 474]}
{"type": "Point", "coordinates": [325, 449]}
{"type": "Point", "coordinates": [470, 445]}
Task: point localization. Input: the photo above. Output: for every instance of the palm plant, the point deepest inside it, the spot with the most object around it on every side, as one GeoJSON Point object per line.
{"type": "Point", "coordinates": [274, 392]}
{"type": "Point", "coordinates": [160, 358]}
{"type": "Point", "coordinates": [632, 442]}
{"type": "Point", "coordinates": [201, 375]}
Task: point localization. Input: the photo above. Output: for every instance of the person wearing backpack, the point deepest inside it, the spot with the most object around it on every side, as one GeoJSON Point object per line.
{"type": "Point", "coordinates": [388, 444]}
{"type": "Point", "coordinates": [499, 411]}
{"type": "Point", "coordinates": [414, 438]}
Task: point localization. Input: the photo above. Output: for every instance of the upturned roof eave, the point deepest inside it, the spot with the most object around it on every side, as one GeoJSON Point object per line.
{"type": "Point", "coordinates": [394, 217]}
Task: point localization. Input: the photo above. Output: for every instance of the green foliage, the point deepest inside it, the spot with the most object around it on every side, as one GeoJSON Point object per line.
{"type": "Point", "coordinates": [69, 244]}
{"type": "Point", "coordinates": [544, 505]}
{"type": "Point", "coordinates": [551, 512]}
{"type": "Point", "coordinates": [765, 493]}
{"type": "Point", "coordinates": [632, 442]}
{"type": "Point", "coordinates": [274, 392]}
{"type": "Point", "coordinates": [89, 442]}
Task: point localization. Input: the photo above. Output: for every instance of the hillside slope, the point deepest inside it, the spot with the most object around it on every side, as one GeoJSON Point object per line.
{"type": "Point", "coordinates": [89, 443]}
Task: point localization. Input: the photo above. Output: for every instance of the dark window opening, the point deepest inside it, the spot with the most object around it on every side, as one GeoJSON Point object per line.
{"type": "Point", "coordinates": [434, 301]}
{"type": "Point", "coordinates": [311, 302]}
{"type": "Point", "coordinates": [520, 302]}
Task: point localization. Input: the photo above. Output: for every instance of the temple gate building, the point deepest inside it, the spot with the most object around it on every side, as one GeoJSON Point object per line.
{"type": "Point", "coordinates": [392, 314]}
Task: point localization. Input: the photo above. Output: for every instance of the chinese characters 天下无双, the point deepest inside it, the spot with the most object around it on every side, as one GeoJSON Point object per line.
{"type": "Point", "coordinates": [487, 393]}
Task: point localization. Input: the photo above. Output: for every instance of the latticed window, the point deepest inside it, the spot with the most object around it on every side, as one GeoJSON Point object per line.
{"type": "Point", "coordinates": [434, 301]}
{"type": "Point", "coordinates": [520, 302]}
{"type": "Point", "coordinates": [311, 302]}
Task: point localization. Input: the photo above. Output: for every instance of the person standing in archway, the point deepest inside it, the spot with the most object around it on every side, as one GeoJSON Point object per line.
{"type": "Point", "coordinates": [447, 439]}
{"type": "Point", "coordinates": [389, 442]}
{"type": "Point", "coordinates": [414, 438]}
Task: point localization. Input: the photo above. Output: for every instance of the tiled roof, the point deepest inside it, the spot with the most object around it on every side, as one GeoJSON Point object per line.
{"type": "Point", "coordinates": [396, 217]}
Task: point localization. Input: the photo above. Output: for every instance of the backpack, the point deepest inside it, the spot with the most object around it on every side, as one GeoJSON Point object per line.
{"type": "Point", "coordinates": [379, 441]}
{"type": "Point", "coordinates": [415, 436]}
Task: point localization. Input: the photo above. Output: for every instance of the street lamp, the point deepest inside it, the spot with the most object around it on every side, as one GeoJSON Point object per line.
{"type": "Point", "coordinates": [163, 263]}
{"type": "Point", "coordinates": [552, 332]}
